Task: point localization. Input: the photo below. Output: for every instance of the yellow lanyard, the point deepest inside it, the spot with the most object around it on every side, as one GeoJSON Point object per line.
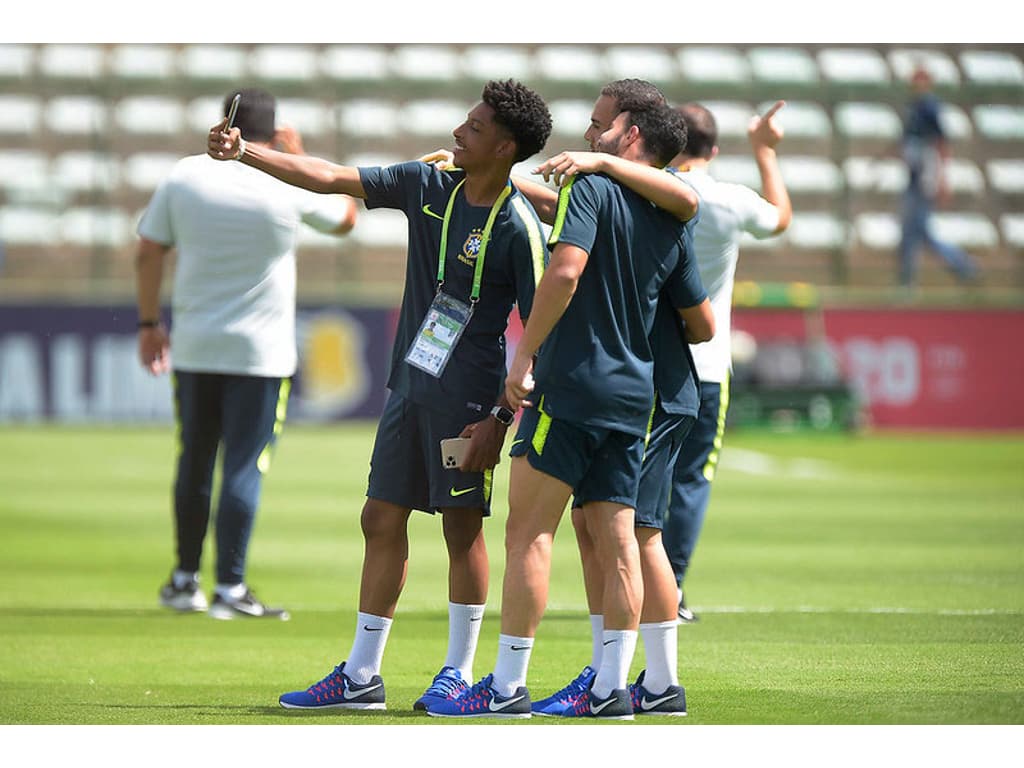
{"type": "Point", "coordinates": [486, 238]}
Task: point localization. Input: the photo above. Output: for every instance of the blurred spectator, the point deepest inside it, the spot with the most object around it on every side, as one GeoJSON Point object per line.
{"type": "Point", "coordinates": [926, 152]}
{"type": "Point", "coordinates": [727, 211]}
{"type": "Point", "coordinates": [235, 230]}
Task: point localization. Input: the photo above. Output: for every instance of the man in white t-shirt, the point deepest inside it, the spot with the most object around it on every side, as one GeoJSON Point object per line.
{"type": "Point", "coordinates": [232, 338]}
{"type": "Point", "coordinates": [727, 212]}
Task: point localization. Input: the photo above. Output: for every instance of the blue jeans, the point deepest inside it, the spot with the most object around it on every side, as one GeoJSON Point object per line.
{"type": "Point", "coordinates": [240, 416]}
{"type": "Point", "coordinates": [691, 478]}
{"type": "Point", "coordinates": [917, 231]}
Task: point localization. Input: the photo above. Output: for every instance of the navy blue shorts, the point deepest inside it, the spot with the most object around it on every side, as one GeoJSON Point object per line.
{"type": "Point", "coordinates": [668, 432]}
{"type": "Point", "coordinates": [599, 464]}
{"type": "Point", "coordinates": [406, 468]}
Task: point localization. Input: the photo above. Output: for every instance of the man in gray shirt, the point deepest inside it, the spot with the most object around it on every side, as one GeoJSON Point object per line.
{"type": "Point", "coordinates": [233, 341]}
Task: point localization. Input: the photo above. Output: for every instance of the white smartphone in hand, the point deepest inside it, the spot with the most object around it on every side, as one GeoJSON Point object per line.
{"type": "Point", "coordinates": [233, 111]}
{"type": "Point", "coordinates": [453, 451]}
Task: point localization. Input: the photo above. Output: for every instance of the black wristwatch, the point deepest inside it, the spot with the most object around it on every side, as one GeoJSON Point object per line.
{"type": "Point", "coordinates": [503, 414]}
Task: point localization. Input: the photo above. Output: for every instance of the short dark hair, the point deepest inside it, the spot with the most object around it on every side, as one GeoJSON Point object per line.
{"type": "Point", "coordinates": [701, 130]}
{"type": "Point", "coordinates": [632, 94]}
{"type": "Point", "coordinates": [256, 117]}
{"type": "Point", "coordinates": [520, 111]}
{"type": "Point", "coordinates": [663, 131]}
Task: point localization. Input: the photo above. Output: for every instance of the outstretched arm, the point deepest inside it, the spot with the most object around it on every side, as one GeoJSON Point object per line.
{"type": "Point", "coordinates": [765, 134]}
{"type": "Point", "coordinates": [646, 180]}
{"type": "Point", "coordinates": [310, 173]}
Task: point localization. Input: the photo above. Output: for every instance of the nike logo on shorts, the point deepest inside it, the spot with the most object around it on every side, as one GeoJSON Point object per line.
{"type": "Point", "coordinates": [454, 493]}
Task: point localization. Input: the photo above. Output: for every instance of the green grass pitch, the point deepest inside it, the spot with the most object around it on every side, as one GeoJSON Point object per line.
{"type": "Point", "coordinates": [870, 580]}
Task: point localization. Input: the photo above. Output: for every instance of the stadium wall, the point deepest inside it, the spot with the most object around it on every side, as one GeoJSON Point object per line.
{"type": "Point", "coordinates": [913, 368]}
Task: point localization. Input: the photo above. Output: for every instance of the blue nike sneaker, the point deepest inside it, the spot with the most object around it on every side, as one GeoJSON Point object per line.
{"type": "Point", "coordinates": [448, 684]}
{"type": "Point", "coordinates": [671, 701]}
{"type": "Point", "coordinates": [337, 691]}
{"type": "Point", "coordinates": [617, 706]}
{"type": "Point", "coordinates": [483, 701]}
{"type": "Point", "coordinates": [557, 704]}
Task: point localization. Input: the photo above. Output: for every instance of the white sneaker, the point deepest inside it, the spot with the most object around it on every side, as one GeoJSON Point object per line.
{"type": "Point", "coordinates": [187, 598]}
{"type": "Point", "coordinates": [245, 607]}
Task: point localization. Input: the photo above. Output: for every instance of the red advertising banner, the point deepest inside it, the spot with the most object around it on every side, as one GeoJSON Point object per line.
{"type": "Point", "coordinates": [917, 368]}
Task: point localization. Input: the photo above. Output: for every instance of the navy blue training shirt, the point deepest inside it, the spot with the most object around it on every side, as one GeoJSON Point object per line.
{"type": "Point", "coordinates": [514, 261]}
{"type": "Point", "coordinates": [597, 366]}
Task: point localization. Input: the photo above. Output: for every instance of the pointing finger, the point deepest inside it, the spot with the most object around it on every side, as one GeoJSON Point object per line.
{"type": "Point", "coordinates": [775, 108]}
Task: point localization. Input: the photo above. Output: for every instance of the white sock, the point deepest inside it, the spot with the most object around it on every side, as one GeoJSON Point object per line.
{"type": "Point", "coordinates": [619, 645]}
{"type": "Point", "coordinates": [230, 591]}
{"type": "Point", "coordinates": [661, 654]}
{"type": "Point", "coordinates": [463, 632]}
{"type": "Point", "coordinates": [368, 647]}
{"type": "Point", "coordinates": [512, 664]}
{"type": "Point", "coordinates": [597, 640]}
{"type": "Point", "coordinates": [182, 579]}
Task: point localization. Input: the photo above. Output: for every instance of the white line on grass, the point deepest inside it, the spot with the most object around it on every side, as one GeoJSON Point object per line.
{"type": "Point", "coordinates": [757, 463]}
{"type": "Point", "coordinates": [883, 610]}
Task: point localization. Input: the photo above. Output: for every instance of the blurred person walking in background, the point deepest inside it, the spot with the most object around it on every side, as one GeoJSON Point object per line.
{"type": "Point", "coordinates": [926, 152]}
{"type": "Point", "coordinates": [727, 211]}
{"type": "Point", "coordinates": [231, 347]}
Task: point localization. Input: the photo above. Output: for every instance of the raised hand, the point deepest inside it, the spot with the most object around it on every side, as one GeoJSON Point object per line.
{"type": "Point", "coordinates": [564, 165]}
{"type": "Point", "coordinates": [223, 144]}
{"type": "Point", "coordinates": [763, 130]}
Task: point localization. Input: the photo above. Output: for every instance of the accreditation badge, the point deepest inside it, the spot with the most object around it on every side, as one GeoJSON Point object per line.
{"type": "Point", "coordinates": [441, 330]}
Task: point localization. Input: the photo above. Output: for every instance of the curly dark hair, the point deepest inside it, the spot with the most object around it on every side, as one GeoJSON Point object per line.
{"type": "Point", "coordinates": [522, 112]}
{"type": "Point", "coordinates": [631, 94]}
{"type": "Point", "coordinates": [663, 130]}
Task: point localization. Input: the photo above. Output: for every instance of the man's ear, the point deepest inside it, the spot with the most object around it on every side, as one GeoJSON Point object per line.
{"type": "Point", "coordinates": [506, 149]}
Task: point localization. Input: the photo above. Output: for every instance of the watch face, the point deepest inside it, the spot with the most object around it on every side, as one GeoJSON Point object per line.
{"type": "Point", "coordinates": [504, 415]}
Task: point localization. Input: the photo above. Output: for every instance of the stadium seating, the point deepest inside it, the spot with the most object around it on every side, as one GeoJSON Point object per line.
{"type": "Point", "coordinates": [203, 62]}
{"type": "Point", "coordinates": [646, 62]}
{"type": "Point", "coordinates": [782, 65]}
{"type": "Point", "coordinates": [354, 62]}
{"type": "Point", "coordinates": [939, 64]}
{"type": "Point", "coordinates": [78, 171]}
{"type": "Point", "coordinates": [983, 67]}
{"type": "Point", "coordinates": [569, 118]}
{"type": "Point", "coordinates": [16, 61]}
{"type": "Point", "coordinates": [570, 64]}
{"type": "Point", "coordinates": [425, 62]}
{"type": "Point", "coordinates": [19, 115]}
{"type": "Point", "coordinates": [87, 116]}
{"type": "Point", "coordinates": [78, 62]}
{"type": "Point", "coordinates": [714, 64]}
{"type": "Point", "coordinates": [87, 131]}
{"type": "Point", "coordinates": [495, 62]}
{"type": "Point", "coordinates": [854, 66]}
{"type": "Point", "coordinates": [143, 62]}
{"type": "Point", "coordinates": [278, 65]}
{"type": "Point", "coordinates": [1006, 175]}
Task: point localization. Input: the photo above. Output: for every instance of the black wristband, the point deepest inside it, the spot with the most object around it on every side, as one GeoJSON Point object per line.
{"type": "Point", "coordinates": [147, 324]}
